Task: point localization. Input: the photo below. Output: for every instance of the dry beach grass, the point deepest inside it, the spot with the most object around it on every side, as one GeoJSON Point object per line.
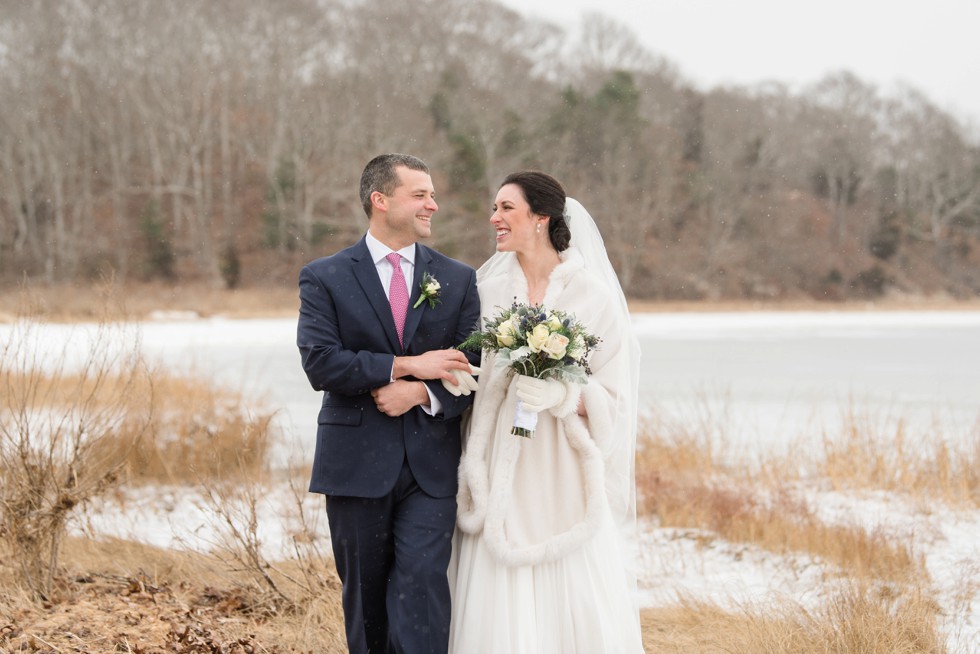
{"type": "Point", "coordinates": [61, 303]}
{"type": "Point", "coordinates": [116, 595]}
{"type": "Point", "coordinates": [110, 595]}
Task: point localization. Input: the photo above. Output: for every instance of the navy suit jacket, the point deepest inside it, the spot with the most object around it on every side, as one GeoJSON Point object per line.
{"type": "Point", "coordinates": [347, 340]}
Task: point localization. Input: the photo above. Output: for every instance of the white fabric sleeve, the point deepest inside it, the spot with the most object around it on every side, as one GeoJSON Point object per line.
{"type": "Point", "coordinates": [435, 406]}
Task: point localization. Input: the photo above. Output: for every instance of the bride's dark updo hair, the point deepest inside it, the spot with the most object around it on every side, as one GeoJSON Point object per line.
{"type": "Point", "coordinates": [546, 197]}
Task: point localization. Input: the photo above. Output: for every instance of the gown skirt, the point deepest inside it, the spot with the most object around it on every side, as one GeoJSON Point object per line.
{"type": "Point", "coordinates": [581, 603]}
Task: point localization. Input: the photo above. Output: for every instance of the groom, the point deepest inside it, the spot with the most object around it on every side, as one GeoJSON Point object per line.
{"type": "Point", "coordinates": [388, 433]}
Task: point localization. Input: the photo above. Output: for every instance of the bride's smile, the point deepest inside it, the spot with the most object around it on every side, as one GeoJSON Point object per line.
{"type": "Point", "coordinates": [516, 227]}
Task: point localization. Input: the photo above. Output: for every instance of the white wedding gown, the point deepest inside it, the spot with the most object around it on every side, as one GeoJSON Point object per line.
{"type": "Point", "coordinates": [540, 562]}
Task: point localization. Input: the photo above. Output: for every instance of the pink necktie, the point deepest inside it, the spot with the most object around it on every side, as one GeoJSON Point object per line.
{"type": "Point", "coordinates": [398, 293]}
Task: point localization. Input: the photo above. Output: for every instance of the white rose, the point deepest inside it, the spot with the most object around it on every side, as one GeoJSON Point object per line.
{"type": "Point", "coordinates": [556, 346]}
{"type": "Point", "coordinates": [538, 336]}
{"type": "Point", "coordinates": [432, 287]}
{"type": "Point", "coordinates": [553, 322]}
{"type": "Point", "coordinates": [506, 333]}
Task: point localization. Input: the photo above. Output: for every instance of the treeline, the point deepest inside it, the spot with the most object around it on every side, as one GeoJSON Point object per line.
{"type": "Point", "coordinates": [222, 141]}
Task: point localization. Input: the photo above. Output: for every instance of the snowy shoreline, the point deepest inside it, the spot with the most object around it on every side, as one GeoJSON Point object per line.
{"type": "Point", "coordinates": [919, 361]}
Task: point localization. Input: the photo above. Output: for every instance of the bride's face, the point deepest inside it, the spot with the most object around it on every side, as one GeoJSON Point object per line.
{"type": "Point", "coordinates": [513, 221]}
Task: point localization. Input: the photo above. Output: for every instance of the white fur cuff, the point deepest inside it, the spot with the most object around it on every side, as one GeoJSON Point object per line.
{"type": "Point", "coordinates": [567, 406]}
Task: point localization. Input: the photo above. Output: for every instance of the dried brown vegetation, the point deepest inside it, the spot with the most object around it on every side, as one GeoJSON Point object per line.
{"type": "Point", "coordinates": [111, 595]}
{"type": "Point", "coordinates": [54, 422]}
{"type": "Point", "coordinates": [81, 416]}
{"type": "Point", "coordinates": [118, 596]}
{"type": "Point", "coordinates": [861, 620]}
{"type": "Point", "coordinates": [200, 432]}
{"type": "Point", "coordinates": [129, 597]}
{"type": "Point", "coordinates": [87, 415]}
{"type": "Point", "coordinates": [880, 453]}
{"type": "Point", "coordinates": [86, 301]}
{"type": "Point", "coordinates": [884, 603]}
{"type": "Point", "coordinates": [681, 486]}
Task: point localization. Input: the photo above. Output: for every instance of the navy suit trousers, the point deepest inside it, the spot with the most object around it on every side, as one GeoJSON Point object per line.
{"type": "Point", "coordinates": [392, 554]}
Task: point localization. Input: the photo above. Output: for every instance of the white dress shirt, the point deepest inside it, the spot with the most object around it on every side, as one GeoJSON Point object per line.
{"type": "Point", "coordinates": [379, 253]}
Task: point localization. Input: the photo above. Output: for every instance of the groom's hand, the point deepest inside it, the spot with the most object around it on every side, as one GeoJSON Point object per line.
{"type": "Point", "coordinates": [435, 364]}
{"type": "Point", "coordinates": [399, 396]}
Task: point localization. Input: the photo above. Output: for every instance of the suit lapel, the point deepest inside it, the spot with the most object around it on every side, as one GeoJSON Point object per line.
{"type": "Point", "coordinates": [423, 261]}
{"type": "Point", "coordinates": [366, 274]}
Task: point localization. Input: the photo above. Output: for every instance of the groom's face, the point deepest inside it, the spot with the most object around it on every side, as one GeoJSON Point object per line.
{"type": "Point", "coordinates": [409, 208]}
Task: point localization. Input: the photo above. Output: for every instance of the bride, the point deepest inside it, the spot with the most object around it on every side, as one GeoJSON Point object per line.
{"type": "Point", "coordinates": [541, 564]}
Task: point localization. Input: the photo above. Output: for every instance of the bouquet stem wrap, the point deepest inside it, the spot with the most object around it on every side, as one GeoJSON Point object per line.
{"type": "Point", "coordinates": [524, 421]}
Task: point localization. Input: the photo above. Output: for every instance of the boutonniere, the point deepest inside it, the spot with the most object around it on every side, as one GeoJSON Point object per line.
{"type": "Point", "coordinates": [430, 291]}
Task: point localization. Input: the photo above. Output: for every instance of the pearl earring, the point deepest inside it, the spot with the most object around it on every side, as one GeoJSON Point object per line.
{"type": "Point", "coordinates": [539, 228]}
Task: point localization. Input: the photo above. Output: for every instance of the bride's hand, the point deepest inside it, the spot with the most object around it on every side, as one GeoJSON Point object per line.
{"type": "Point", "coordinates": [539, 394]}
{"type": "Point", "coordinates": [465, 382]}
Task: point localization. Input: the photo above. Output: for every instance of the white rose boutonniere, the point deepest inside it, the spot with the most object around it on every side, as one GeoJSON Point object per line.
{"type": "Point", "coordinates": [430, 291]}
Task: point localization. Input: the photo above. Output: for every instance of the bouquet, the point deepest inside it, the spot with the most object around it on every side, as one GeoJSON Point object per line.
{"type": "Point", "coordinates": [536, 342]}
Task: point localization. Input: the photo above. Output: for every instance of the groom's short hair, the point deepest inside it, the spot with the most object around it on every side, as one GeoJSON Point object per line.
{"type": "Point", "coordinates": [380, 175]}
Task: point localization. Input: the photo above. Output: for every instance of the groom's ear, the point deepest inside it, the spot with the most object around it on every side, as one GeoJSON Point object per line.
{"type": "Point", "coordinates": [379, 201]}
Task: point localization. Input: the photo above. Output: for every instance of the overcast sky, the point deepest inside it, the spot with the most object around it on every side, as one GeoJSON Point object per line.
{"type": "Point", "coordinates": [930, 44]}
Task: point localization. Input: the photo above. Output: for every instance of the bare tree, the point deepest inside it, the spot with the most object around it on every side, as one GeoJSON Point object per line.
{"type": "Point", "coordinates": [840, 116]}
{"type": "Point", "coordinates": [221, 141]}
{"type": "Point", "coordinates": [938, 171]}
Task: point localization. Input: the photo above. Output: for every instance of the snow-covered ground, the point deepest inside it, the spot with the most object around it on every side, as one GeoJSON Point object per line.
{"type": "Point", "coordinates": [772, 378]}
{"type": "Point", "coordinates": [672, 563]}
